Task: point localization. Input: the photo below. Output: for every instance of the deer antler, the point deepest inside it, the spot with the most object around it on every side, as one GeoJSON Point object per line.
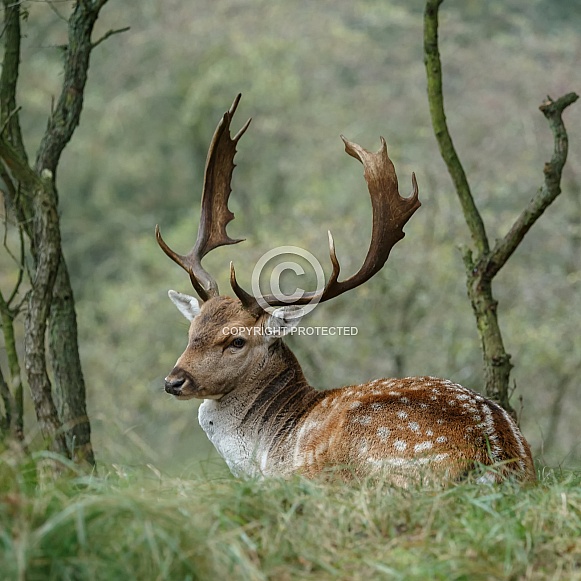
{"type": "Point", "coordinates": [215, 214]}
{"type": "Point", "coordinates": [390, 214]}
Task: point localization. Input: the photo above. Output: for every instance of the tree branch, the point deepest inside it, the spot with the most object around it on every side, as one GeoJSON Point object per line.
{"type": "Point", "coordinates": [9, 190]}
{"type": "Point", "coordinates": [55, 10]}
{"type": "Point", "coordinates": [9, 77]}
{"type": "Point", "coordinates": [18, 166]}
{"type": "Point", "coordinates": [547, 193]}
{"type": "Point", "coordinates": [7, 120]}
{"type": "Point", "coordinates": [20, 262]}
{"type": "Point", "coordinates": [67, 112]}
{"type": "Point", "coordinates": [447, 150]}
{"type": "Point", "coordinates": [110, 33]}
{"type": "Point", "coordinates": [9, 111]}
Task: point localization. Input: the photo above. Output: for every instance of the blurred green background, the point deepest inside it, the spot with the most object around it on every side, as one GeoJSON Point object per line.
{"type": "Point", "coordinates": [309, 71]}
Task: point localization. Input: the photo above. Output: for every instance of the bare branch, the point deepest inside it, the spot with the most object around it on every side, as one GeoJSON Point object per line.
{"type": "Point", "coordinates": [10, 189]}
{"type": "Point", "coordinates": [18, 166]}
{"type": "Point", "coordinates": [547, 193]}
{"type": "Point", "coordinates": [20, 263]}
{"type": "Point", "coordinates": [110, 33]}
{"type": "Point", "coordinates": [67, 111]}
{"type": "Point", "coordinates": [55, 10]}
{"type": "Point", "coordinates": [447, 150]}
{"type": "Point", "coordinates": [7, 120]}
{"type": "Point", "coordinates": [13, 195]}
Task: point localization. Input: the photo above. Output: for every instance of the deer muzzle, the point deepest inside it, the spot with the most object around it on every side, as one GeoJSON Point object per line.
{"type": "Point", "coordinates": [180, 384]}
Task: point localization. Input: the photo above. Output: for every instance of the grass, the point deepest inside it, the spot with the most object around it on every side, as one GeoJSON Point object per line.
{"type": "Point", "coordinates": [142, 525]}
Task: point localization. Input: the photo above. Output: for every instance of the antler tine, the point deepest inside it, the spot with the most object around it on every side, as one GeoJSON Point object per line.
{"type": "Point", "coordinates": [333, 255]}
{"type": "Point", "coordinates": [215, 214]}
{"type": "Point", "coordinates": [249, 302]}
{"type": "Point", "coordinates": [252, 304]}
{"type": "Point", "coordinates": [390, 214]}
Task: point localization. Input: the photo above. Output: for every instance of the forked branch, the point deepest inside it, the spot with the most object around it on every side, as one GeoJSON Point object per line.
{"type": "Point", "coordinates": [481, 269]}
{"type": "Point", "coordinates": [67, 113]}
{"type": "Point", "coordinates": [551, 188]}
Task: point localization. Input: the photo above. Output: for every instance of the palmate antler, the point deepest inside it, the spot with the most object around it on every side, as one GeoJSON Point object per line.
{"type": "Point", "coordinates": [215, 213]}
{"type": "Point", "coordinates": [390, 214]}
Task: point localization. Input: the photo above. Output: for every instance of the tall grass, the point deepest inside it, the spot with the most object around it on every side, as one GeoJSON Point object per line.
{"type": "Point", "coordinates": [140, 524]}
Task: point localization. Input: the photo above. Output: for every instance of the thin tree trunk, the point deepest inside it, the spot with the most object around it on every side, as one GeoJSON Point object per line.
{"type": "Point", "coordinates": [497, 365]}
{"type": "Point", "coordinates": [69, 383]}
{"type": "Point", "coordinates": [47, 236]}
{"type": "Point", "coordinates": [12, 392]}
{"type": "Point", "coordinates": [496, 361]}
{"type": "Point", "coordinates": [68, 373]}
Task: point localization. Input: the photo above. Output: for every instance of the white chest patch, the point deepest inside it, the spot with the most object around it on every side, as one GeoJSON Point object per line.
{"type": "Point", "coordinates": [239, 451]}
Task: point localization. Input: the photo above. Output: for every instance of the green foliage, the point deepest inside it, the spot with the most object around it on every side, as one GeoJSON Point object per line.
{"type": "Point", "coordinates": [145, 525]}
{"type": "Point", "coordinates": [309, 71]}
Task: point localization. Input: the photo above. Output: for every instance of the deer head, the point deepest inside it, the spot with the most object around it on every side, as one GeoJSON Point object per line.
{"type": "Point", "coordinates": [227, 334]}
{"type": "Point", "coordinates": [228, 346]}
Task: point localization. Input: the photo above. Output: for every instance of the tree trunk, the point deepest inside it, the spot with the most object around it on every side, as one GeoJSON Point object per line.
{"type": "Point", "coordinates": [496, 361]}
{"type": "Point", "coordinates": [69, 383]}
{"type": "Point", "coordinates": [46, 234]}
{"type": "Point", "coordinates": [11, 391]}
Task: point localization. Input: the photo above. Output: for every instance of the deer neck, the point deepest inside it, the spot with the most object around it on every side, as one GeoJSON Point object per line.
{"type": "Point", "coordinates": [255, 422]}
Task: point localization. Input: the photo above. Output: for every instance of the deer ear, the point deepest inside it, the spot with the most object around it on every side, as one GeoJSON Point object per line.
{"type": "Point", "coordinates": [188, 306]}
{"type": "Point", "coordinates": [283, 321]}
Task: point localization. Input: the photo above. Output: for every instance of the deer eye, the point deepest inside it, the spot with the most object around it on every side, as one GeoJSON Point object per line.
{"type": "Point", "coordinates": [238, 343]}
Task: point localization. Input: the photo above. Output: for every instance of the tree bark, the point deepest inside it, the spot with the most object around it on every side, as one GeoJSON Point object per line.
{"type": "Point", "coordinates": [69, 383]}
{"type": "Point", "coordinates": [497, 365]}
{"type": "Point", "coordinates": [45, 240]}
{"type": "Point", "coordinates": [47, 236]}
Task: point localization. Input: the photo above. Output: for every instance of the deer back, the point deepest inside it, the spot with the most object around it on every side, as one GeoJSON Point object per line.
{"type": "Point", "coordinates": [409, 428]}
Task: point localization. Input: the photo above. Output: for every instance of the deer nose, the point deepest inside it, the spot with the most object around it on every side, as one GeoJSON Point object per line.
{"type": "Point", "coordinates": [173, 385]}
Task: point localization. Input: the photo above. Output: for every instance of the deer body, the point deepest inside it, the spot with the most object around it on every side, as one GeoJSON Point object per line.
{"type": "Point", "coordinates": [380, 427]}
{"type": "Point", "coordinates": [268, 421]}
{"type": "Point", "coordinates": [260, 412]}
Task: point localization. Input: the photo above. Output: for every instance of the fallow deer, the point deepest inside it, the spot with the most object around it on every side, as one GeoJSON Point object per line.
{"type": "Point", "coordinates": [258, 409]}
